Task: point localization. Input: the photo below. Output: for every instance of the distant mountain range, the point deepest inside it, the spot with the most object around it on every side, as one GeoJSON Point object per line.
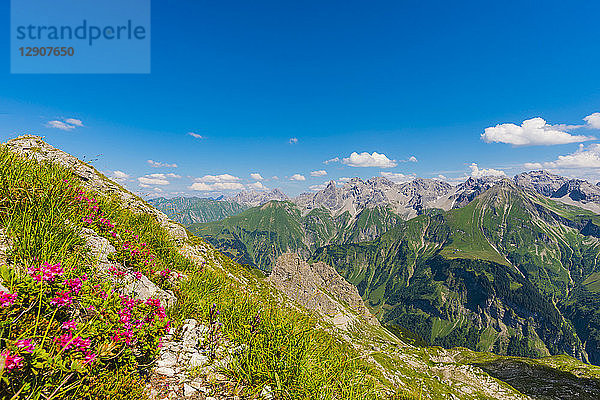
{"type": "Point", "coordinates": [506, 265]}
{"type": "Point", "coordinates": [189, 210]}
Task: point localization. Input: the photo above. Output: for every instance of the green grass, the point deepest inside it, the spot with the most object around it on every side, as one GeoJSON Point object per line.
{"type": "Point", "coordinates": [287, 350]}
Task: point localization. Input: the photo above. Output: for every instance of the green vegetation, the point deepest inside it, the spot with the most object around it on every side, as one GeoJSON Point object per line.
{"type": "Point", "coordinates": [260, 234]}
{"type": "Point", "coordinates": [41, 217]}
{"type": "Point", "coordinates": [486, 276]}
{"type": "Point", "coordinates": [189, 210]}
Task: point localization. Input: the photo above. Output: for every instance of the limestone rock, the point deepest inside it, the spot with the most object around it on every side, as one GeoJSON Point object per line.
{"type": "Point", "coordinates": [319, 287]}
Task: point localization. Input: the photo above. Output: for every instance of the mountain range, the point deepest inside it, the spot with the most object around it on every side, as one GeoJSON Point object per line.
{"type": "Point", "coordinates": [494, 264]}
{"type": "Point", "coordinates": [512, 271]}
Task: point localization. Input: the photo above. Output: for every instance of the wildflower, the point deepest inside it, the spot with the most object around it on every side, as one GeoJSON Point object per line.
{"type": "Point", "coordinates": [90, 358]}
{"type": "Point", "coordinates": [11, 361]}
{"type": "Point", "coordinates": [75, 285]}
{"type": "Point", "coordinates": [69, 325]}
{"type": "Point", "coordinates": [63, 299]}
{"type": "Point", "coordinates": [7, 299]}
{"type": "Point", "coordinates": [25, 344]}
{"type": "Point", "coordinates": [46, 272]}
{"type": "Point", "coordinates": [64, 341]}
{"type": "Point", "coordinates": [81, 343]}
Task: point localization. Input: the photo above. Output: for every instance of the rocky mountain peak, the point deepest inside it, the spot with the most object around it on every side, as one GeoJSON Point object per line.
{"type": "Point", "coordinates": [254, 198]}
{"type": "Point", "coordinates": [540, 181]}
{"type": "Point", "coordinates": [319, 287]}
{"type": "Point", "coordinates": [578, 190]}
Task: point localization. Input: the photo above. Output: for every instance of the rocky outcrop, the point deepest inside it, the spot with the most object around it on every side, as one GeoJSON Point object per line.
{"type": "Point", "coordinates": [406, 199]}
{"type": "Point", "coordinates": [541, 182]}
{"type": "Point", "coordinates": [319, 287]}
{"type": "Point", "coordinates": [187, 369]}
{"type": "Point", "coordinates": [578, 190]}
{"type": "Point", "coordinates": [34, 147]}
{"type": "Point", "coordinates": [254, 198]}
{"type": "Point", "coordinates": [139, 286]}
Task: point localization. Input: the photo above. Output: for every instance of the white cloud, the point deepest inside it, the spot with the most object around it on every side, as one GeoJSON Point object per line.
{"type": "Point", "coordinates": [196, 135]}
{"type": "Point", "coordinates": [477, 172]}
{"type": "Point", "coordinates": [534, 165]}
{"type": "Point", "coordinates": [74, 122]}
{"type": "Point", "coordinates": [156, 179]}
{"type": "Point", "coordinates": [152, 181]}
{"type": "Point", "coordinates": [65, 125]}
{"type": "Point", "coordinates": [397, 177]}
{"type": "Point", "coordinates": [583, 157]}
{"type": "Point", "coordinates": [369, 160]}
{"type": "Point", "coordinates": [297, 177]}
{"type": "Point", "coordinates": [218, 178]}
{"type": "Point", "coordinates": [334, 159]}
{"type": "Point", "coordinates": [258, 185]}
{"type": "Point", "coordinates": [534, 131]}
{"type": "Point", "coordinates": [120, 174]}
{"type": "Point", "coordinates": [321, 172]}
{"type": "Point", "coordinates": [206, 187]}
{"type": "Point", "coordinates": [410, 159]}
{"type": "Point", "coordinates": [345, 179]}
{"type": "Point", "coordinates": [275, 178]}
{"type": "Point", "coordinates": [593, 120]}
{"type": "Point", "coordinates": [158, 164]}
{"type": "Point", "coordinates": [163, 176]}
{"type": "Point", "coordinates": [256, 176]}
{"type": "Point", "coordinates": [293, 140]}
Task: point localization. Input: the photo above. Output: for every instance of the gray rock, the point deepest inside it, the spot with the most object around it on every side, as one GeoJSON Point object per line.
{"type": "Point", "coordinates": [188, 390]}
{"type": "Point", "coordinates": [267, 393]}
{"type": "Point", "coordinates": [165, 371]}
{"type": "Point", "coordinates": [197, 360]}
{"type": "Point", "coordinates": [167, 359]}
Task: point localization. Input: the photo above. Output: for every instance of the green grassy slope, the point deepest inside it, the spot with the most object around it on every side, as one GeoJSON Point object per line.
{"type": "Point", "coordinates": [259, 235]}
{"type": "Point", "coordinates": [494, 275]}
{"type": "Point", "coordinates": [296, 353]}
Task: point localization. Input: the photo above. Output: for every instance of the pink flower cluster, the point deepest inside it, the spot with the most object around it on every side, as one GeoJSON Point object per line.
{"type": "Point", "coordinates": [11, 361]}
{"type": "Point", "coordinates": [63, 299]}
{"type": "Point", "coordinates": [94, 216]}
{"type": "Point", "coordinates": [45, 272]}
{"type": "Point", "coordinates": [67, 341]}
{"type": "Point", "coordinates": [25, 344]}
{"type": "Point", "coordinates": [7, 299]}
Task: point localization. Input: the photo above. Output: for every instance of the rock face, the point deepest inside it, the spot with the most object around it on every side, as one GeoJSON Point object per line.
{"type": "Point", "coordinates": [319, 287]}
{"type": "Point", "coordinates": [185, 368]}
{"type": "Point", "coordinates": [578, 190]}
{"type": "Point", "coordinates": [254, 198]}
{"type": "Point", "coordinates": [540, 181]}
{"type": "Point", "coordinates": [406, 199]}
{"type": "Point", "coordinates": [34, 147]}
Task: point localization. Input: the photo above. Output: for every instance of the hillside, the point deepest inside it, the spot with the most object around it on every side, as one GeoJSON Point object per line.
{"type": "Point", "coordinates": [189, 210]}
{"type": "Point", "coordinates": [103, 297]}
{"type": "Point", "coordinates": [507, 255]}
{"type": "Point", "coordinates": [507, 273]}
{"type": "Point", "coordinates": [259, 235]}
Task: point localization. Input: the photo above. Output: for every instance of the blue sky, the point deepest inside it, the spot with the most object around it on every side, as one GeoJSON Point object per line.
{"type": "Point", "coordinates": [403, 79]}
